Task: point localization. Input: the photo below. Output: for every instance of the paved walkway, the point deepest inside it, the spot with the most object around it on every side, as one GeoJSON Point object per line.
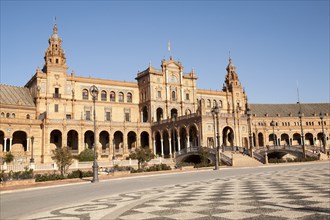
{"type": "Point", "coordinates": [299, 193]}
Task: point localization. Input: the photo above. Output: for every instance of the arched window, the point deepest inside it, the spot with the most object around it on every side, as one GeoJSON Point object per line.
{"type": "Point", "coordinates": [103, 95]}
{"type": "Point", "coordinates": [208, 103]}
{"type": "Point", "coordinates": [2, 114]}
{"type": "Point", "coordinates": [7, 115]}
{"type": "Point", "coordinates": [27, 116]}
{"type": "Point", "coordinates": [173, 96]}
{"type": "Point", "coordinates": [112, 96]}
{"type": "Point", "coordinates": [214, 103]}
{"type": "Point", "coordinates": [13, 115]}
{"type": "Point", "coordinates": [121, 97]}
{"type": "Point", "coordinates": [129, 97]}
{"type": "Point", "coordinates": [85, 94]}
{"type": "Point", "coordinates": [220, 104]}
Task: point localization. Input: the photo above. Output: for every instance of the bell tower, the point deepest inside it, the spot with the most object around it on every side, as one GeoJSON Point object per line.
{"type": "Point", "coordinates": [234, 89]}
{"type": "Point", "coordinates": [232, 81]}
{"type": "Point", "coordinates": [55, 60]}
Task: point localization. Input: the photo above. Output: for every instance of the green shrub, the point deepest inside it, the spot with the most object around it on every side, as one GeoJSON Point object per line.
{"type": "Point", "coordinates": [75, 174]}
{"type": "Point", "coordinates": [9, 157]}
{"type": "Point", "coordinates": [156, 167]}
{"type": "Point", "coordinates": [19, 175]}
{"type": "Point", "coordinates": [136, 170]}
{"type": "Point", "coordinates": [48, 177]}
{"type": "Point", "coordinates": [199, 165]}
{"type": "Point", "coordinates": [276, 160]}
{"type": "Point", "coordinates": [289, 160]}
{"type": "Point", "coordinates": [88, 173]}
{"type": "Point", "coordinates": [86, 155]}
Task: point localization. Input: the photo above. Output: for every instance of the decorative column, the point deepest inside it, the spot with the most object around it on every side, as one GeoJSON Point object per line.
{"type": "Point", "coordinates": [179, 147]}
{"type": "Point", "coordinates": [10, 143]}
{"type": "Point", "coordinates": [188, 142]}
{"type": "Point", "coordinates": [81, 144]}
{"type": "Point", "coordinates": [170, 146]}
{"type": "Point", "coordinates": [5, 145]}
{"type": "Point", "coordinates": [155, 147]}
{"type": "Point", "coordinates": [27, 144]}
{"type": "Point", "coordinates": [125, 144]}
{"type": "Point", "coordinates": [162, 147]}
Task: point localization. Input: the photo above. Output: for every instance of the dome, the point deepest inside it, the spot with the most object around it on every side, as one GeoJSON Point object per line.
{"type": "Point", "coordinates": [230, 66]}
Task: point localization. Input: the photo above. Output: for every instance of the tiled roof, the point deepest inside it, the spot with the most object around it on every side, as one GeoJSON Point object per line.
{"type": "Point", "coordinates": [284, 110]}
{"type": "Point", "coordinates": [13, 95]}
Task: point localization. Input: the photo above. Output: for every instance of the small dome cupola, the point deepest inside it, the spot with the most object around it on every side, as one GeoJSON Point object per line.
{"type": "Point", "coordinates": [55, 37]}
{"type": "Point", "coordinates": [231, 67]}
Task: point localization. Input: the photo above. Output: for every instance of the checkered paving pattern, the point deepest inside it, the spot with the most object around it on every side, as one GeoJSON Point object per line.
{"type": "Point", "coordinates": [293, 194]}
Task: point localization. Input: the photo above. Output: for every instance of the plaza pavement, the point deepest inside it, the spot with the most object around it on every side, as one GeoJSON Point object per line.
{"type": "Point", "coordinates": [295, 193]}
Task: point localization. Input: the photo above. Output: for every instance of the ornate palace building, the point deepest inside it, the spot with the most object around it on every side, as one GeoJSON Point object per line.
{"type": "Point", "coordinates": [163, 111]}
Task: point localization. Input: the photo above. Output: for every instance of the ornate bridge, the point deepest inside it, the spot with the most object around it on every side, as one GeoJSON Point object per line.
{"type": "Point", "coordinates": [296, 151]}
{"type": "Point", "coordinates": [186, 153]}
{"type": "Point", "coordinates": [258, 154]}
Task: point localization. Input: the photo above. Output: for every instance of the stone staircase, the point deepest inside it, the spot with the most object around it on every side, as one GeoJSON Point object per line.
{"type": "Point", "coordinates": [240, 160]}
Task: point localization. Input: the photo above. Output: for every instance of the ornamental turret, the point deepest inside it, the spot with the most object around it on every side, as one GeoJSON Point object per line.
{"type": "Point", "coordinates": [55, 60]}
{"type": "Point", "coordinates": [231, 77]}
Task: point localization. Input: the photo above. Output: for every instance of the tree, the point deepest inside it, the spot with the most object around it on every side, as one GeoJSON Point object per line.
{"type": "Point", "coordinates": [86, 155]}
{"type": "Point", "coordinates": [141, 155]}
{"type": "Point", "coordinates": [63, 158]}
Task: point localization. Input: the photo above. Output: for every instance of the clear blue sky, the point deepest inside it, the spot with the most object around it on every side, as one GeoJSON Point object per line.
{"type": "Point", "coordinates": [273, 44]}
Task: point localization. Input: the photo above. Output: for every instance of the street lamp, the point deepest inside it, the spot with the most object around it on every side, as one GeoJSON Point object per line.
{"type": "Point", "coordinates": [215, 111]}
{"type": "Point", "coordinates": [324, 140]}
{"type": "Point", "coordinates": [32, 159]}
{"type": "Point", "coordinates": [174, 119]}
{"type": "Point", "coordinates": [248, 112]}
{"type": "Point", "coordinates": [300, 115]}
{"type": "Point", "coordinates": [113, 149]}
{"type": "Point", "coordinates": [94, 92]}
{"type": "Point", "coordinates": [272, 123]}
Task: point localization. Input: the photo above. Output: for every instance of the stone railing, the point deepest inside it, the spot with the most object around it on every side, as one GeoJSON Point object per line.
{"type": "Point", "coordinates": [259, 157]}
{"type": "Point", "coordinates": [226, 159]}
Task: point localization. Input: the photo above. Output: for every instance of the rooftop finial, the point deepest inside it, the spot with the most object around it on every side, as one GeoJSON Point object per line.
{"type": "Point", "coordinates": [229, 57]}
{"type": "Point", "coordinates": [55, 27]}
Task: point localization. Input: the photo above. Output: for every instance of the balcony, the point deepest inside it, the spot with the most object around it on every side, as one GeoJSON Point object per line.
{"type": "Point", "coordinates": [56, 95]}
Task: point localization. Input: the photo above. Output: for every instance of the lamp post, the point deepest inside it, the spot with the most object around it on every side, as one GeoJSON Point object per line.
{"type": "Point", "coordinates": [32, 159]}
{"type": "Point", "coordinates": [174, 119]}
{"type": "Point", "coordinates": [324, 140]}
{"type": "Point", "coordinates": [94, 92]}
{"type": "Point", "coordinates": [272, 123]}
{"type": "Point", "coordinates": [248, 112]}
{"type": "Point", "coordinates": [300, 115]}
{"type": "Point", "coordinates": [113, 149]}
{"type": "Point", "coordinates": [215, 111]}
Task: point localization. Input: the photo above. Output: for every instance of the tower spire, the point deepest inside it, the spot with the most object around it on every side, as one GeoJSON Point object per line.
{"type": "Point", "coordinates": [55, 26]}
{"type": "Point", "coordinates": [230, 58]}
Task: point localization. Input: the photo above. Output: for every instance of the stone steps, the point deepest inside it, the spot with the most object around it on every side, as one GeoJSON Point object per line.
{"type": "Point", "coordinates": [240, 160]}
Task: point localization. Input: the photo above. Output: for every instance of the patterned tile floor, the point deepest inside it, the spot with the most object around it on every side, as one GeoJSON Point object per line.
{"type": "Point", "coordinates": [294, 194]}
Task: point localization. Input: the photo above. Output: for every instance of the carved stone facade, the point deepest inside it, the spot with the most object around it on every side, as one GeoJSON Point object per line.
{"type": "Point", "coordinates": [163, 111]}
